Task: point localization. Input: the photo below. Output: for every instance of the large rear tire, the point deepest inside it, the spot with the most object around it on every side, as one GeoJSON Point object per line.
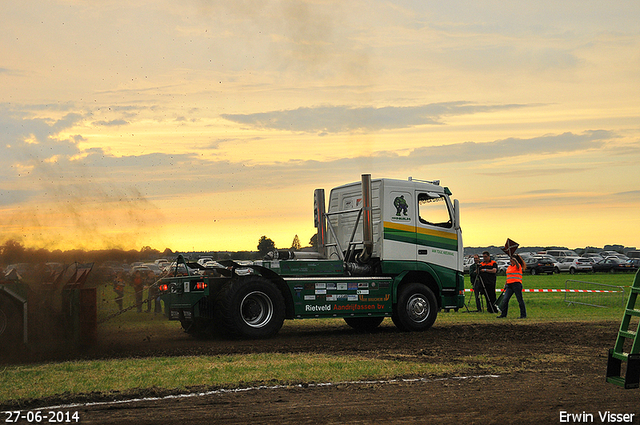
{"type": "Point", "coordinates": [364, 324]}
{"type": "Point", "coordinates": [251, 307]}
{"type": "Point", "coordinates": [416, 309]}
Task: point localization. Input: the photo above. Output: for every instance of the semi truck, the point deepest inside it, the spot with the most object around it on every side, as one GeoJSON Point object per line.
{"type": "Point", "coordinates": [385, 248]}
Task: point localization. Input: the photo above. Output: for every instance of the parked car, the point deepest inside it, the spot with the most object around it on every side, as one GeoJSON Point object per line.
{"type": "Point", "coordinates": [538, 264]}
{"type": "Point", "coordinates": [634, 261]}
{"type": "Point", "coordinates": [561, 253]}
{"type": "Point", "coordinates": [154, 268]}
{"type": "Point", "coordinates": [633, 254]}
{"type": "Point", "coordinates": [467, 264]}
{"type": "Point", "coordinates": [573, 265]}
{"type": "Point", "coordinates": [203, 260]}
{"type": "Point", "coordinates": [614, 264]}
{"type": "Point", "coordinates": [502, 266]}
{"type": "Point", "coordinates": [605, 254]}
{"type": "Point", "coordinates": [593, 255]}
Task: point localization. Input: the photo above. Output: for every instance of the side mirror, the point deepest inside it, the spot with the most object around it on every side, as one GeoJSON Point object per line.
{"type": "Point", "coordinates": [456, 214]}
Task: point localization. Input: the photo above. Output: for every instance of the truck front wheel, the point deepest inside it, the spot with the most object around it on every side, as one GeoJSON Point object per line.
{"type": "Point", "coordinates": [250, 308]}
{"type": "Point", "coordinates": [417, 308]}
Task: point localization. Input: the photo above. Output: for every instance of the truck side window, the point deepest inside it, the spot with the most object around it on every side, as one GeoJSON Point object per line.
{"type": "Point", "coordinates": [433, 210]}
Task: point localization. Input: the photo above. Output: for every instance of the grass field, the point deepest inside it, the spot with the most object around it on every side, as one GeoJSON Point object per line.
{"type": "Point", "coordinates": [553, 306]}
{"type": "Point", "coordinates": [19, 382]}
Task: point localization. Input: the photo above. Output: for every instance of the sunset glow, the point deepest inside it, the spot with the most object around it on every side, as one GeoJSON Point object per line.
{"type": "Point", "coordinates": [203, 124]}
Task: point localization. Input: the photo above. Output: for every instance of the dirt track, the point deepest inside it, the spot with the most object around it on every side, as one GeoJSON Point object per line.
{"type": "Point", "coordinates": [540, 370]}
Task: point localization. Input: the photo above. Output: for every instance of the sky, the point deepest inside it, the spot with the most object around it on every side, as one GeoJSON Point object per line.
{"type": "Point", "coordinates": [204, 125]}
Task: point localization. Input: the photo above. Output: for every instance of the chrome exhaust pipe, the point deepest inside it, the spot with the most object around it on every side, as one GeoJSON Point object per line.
{"type": "Point", "coordinates": [367, 220]}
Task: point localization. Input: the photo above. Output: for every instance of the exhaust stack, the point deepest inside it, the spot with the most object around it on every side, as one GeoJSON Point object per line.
{"type": "Point", "coordinates": [320, 221]}
{"type": "Point", "coordinates": [367, 220]}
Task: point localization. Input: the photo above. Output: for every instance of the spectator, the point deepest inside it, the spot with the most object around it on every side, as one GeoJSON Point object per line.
{"type": "Point", "coordinates": [138, 287]}
{"type": "Point", "coordinates": [514, 286]}
{"type": "Point", "coordinates": [488, 273]}
{"type": "Point", "coordinates": [476, 283]}
{"type": "Point", "coordinates": [118, 288]}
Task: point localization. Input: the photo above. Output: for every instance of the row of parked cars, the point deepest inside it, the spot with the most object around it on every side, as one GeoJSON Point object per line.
{"type": "Point", "coordinates": [568, 261]}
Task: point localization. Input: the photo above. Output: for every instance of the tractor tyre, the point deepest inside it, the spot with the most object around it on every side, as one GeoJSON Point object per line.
{"type": "Point", "coordinates": [11, 322]}
{"type": "Point", "coordinates": [251, 307]}
{"type": "Point", "coordinates": [364, 324]}
{"type": "Point", "coordinates": [417, 308]}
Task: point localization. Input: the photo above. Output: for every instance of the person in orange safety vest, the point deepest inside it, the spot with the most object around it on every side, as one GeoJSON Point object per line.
{"type": "Point", "coordinates": [514, 286]}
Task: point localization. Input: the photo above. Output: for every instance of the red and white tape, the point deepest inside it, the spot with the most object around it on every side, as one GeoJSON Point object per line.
{"type": "Point", "coordinates": [555, 290]}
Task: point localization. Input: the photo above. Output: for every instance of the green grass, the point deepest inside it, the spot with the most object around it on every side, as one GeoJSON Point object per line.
{"type": "Point", "coordinates": [20, 382]}
{"type": "Point", "coordinates": [552, 306]}
{"type": "Point", "coordinates": [181, 373]}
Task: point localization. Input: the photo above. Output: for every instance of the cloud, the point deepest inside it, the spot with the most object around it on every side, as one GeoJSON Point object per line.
{"type": "Point", "coordinates": [511, 147]}
{"type": "Point", "coordinates": [12, 197]}
{"type": "Point", "coordinates": [112, 123]}
{"type": "Point", "coordinates": [340, 119]}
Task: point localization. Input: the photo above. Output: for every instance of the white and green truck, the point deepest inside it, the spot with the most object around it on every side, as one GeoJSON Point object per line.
{"type": "Point", "coordinates": [385, 248]}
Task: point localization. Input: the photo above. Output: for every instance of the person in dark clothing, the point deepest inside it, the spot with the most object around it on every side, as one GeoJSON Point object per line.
{"type": "Point", "coordinates": [138, 286]}
{"type": "Point", "coordinates": [476, 283]}
{"type": "Point", "coordinates": [488, 273]}
{"type": "Point", "coordinates": [118, 288]}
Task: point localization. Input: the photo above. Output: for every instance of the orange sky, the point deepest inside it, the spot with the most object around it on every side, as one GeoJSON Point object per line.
{"type": "Point", "coordinates": [205, 125]}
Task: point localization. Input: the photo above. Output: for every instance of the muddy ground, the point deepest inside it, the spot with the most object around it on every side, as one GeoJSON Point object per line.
{"type": "Point", "coordinates": [524, 372]}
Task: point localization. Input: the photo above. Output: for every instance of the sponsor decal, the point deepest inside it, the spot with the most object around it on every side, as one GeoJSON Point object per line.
{"type": "Point", "coordinates": [352, 286]}
{"type": "Point", "coordinates": [317, 307]}
{"type": "Point", "coordinates": [352, 297]}
{"type": "Point", "coordinates": [363, 285]}
{"type": "Point", "coordinates": [309, 286]}
{"type": "Point", "coordinates": [393, 218]}
{"type": "Point", "coordinates": [401, 206]}
{"type": "Point", "coordinates": [371, 299]}
{"type": "Point", "coordinates": [342, 286]}
{"type": "Point", "coordinates": [331, 286]}
{"type": "Point", "coordinates": [321, 291]}
{"type": "Point", "coordinates": [356, 307]}
{"type": "Point", "coordinates": [337, 297]}
{"type": "Point", "coordinates": [363, 292]}
{"type": "Point", "coordinates": [441, 252]}
{"type": "Point", "coordinates": [309, 297]}
{"type": "Point", "coordinates": [321, 285]}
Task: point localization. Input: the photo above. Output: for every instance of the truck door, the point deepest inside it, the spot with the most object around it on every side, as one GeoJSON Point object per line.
{"type": "Point", "coordinates": [436, 237]}
{"type": "Point", "coordinates": [400, 226]}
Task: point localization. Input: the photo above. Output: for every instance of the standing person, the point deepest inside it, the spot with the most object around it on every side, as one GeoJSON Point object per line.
{"type": "Point", "coordinates": [488, 273]}
{"type": "Point", "coordinates": [153, 293]}
{"type": "Point", "coordinates": [138, 287]}
{"type": "Point", "coordinates": [118, 288]}
{"type": "Point", "coordinates": [514, 286]}
{"type": "Point", "coordinates": [476, 282]}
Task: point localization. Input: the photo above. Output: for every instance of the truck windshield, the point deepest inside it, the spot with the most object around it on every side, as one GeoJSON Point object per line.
{"type": "Point", "coordinates": [433, 210]}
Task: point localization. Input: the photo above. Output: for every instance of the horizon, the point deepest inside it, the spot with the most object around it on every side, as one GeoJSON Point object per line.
{"type": "Point", "coordinates": [206, 124]}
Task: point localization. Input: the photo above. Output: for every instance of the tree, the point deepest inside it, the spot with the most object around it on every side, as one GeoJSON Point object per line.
{"type": "Point", "coordinates": [265, 245]}
{"type": "Point", "coordinates": [295, 245]}
{"type": "Point", "coordinates": [12, 252]}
